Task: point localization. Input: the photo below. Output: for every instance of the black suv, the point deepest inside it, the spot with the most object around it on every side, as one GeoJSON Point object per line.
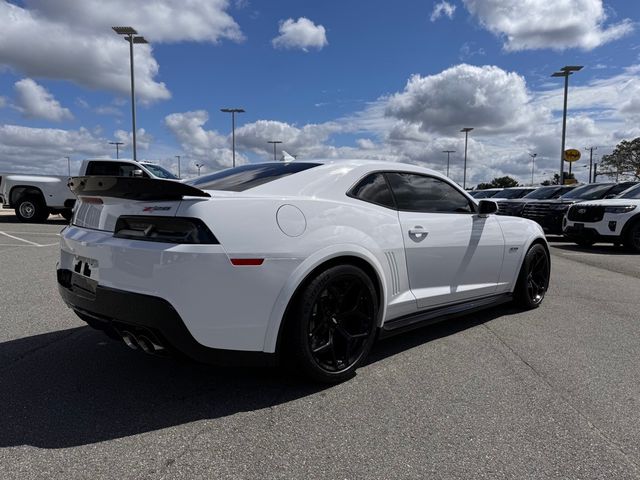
{"type": "Point", "coordinates": [549, 213]}
{"type": "Point", "coordinates": [513, 207]}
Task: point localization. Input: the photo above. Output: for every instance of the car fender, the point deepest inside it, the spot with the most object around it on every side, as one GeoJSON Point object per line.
{"type": "Point", "coordinates": [519, 234]}
{"type": "Point", "coordinates": [304, 269]}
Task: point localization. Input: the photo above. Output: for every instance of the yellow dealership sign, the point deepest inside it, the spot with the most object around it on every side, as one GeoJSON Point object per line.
{"type": "Point", "coordinates": [572, 155]}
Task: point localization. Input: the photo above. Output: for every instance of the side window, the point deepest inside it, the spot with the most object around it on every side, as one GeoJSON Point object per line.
{"type": "Point", "coordinates": [619, 188]}
{"type": "Point", "coordinates": [420, 193]}
{"type": "Point", "coordinates": [374, 189]}
{"type": "Point", "coordinates": [111, 169]}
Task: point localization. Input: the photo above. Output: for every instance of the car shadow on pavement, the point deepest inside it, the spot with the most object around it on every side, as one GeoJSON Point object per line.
{"type": "Point", "coordinates": [595, 249]}
{"type": "Point", "coordinates": [407, 340]}
{"type": "Point", "coordinates": [77, 387]}
{"type": "Point", "coordinates": [53, 220]}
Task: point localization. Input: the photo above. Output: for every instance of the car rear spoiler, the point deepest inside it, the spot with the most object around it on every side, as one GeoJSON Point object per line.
{"type": "Point", "coordinates": [133, 188]}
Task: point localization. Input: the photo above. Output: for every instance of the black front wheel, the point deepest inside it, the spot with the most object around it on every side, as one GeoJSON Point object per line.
{"type": "Point", "coordinates": [31, 209]}
{"type": "Point", "coordinates": [632, 240]}
{"type": "Point", "coordinates": [333, 324]}
{"type": "Point", "coordinates": [533, 281]}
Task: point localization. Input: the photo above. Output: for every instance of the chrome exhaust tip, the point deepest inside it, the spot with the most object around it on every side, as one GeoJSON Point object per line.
{"type": "Point", "coordinates": [148, 345]}
{"type": "Point", "coordinates": [129, 340]}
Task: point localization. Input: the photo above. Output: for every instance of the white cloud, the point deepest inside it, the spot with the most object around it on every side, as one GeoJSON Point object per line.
{"type": "Point", "coordinates": [297, 141]}
{"type": "Point", "coordinates": [418, 123]}
{"type": "Point", "coordinates": [301, 33]}
{"type": "Point", "coordinates": [486, 98]}
{"type": "Point", "coordinates": [34, 101]}
{"type": "Point", "coordinates": [3, 102]}
{"type": "Point", "coordinates": [143, 138]}
{"type": "Point", "coordinates": [443, 8]}
{"type": "Point", "coordinates": [198, 144]}
{"type": "Point", "coordinates": [41, 150]}
{"type": "Point", "coordinates": [557, 24]}
{"type": "Point", "coordinates": [73, 40]}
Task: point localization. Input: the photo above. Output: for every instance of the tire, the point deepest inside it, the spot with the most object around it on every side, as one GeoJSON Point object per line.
{"type": "Point", "coordinates": [632, 238]}
{"type": "Point", "coordinates": [67, 214]}
{"type": "Point", "coordinates": [533, 280]}
{"type": "Point", "coordinates": [31, 209]}
{"type": "Point", "coordinates": [332, 325]}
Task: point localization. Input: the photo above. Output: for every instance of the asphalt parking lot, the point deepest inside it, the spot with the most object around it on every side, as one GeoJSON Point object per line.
{"type": "Point", "coordinates": [550, 393]}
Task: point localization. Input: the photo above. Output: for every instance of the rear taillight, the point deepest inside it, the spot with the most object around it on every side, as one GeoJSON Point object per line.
{"type": "Point", "coordinates": [164, 229]}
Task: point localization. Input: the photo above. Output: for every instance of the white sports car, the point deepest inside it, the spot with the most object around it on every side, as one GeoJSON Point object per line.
{"type": "Point", "coordinates": [304, 263]}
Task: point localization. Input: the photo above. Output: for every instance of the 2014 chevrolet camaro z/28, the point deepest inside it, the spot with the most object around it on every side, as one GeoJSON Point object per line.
{"type": "Point", "coordinates": [303, 262]}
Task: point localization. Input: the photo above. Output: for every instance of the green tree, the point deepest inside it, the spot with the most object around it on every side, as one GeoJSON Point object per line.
{"type": "Point", "coordinates": [499, 182]}
{"type": "Point", "coordinates": [624, 159]}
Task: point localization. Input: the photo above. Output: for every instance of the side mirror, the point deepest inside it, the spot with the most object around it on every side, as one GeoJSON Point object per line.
{"type": "Point", "coordinates": [486, 207]}
{"type": "Point", "coordinates": [137, 173]}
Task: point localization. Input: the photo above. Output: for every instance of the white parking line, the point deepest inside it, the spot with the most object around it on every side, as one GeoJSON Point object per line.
{"type": "Point", "coordinates": [33, 244]}
{"type": "Point", "coordinates": [35, 233]}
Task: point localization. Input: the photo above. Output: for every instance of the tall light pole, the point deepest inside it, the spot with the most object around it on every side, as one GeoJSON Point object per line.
{"type": "Point", "coordinates": [565, 72]}
{"type": "Point", "coordinates": [199, 166]}
{"type": "Point", "coordinates": [466, 131]}
{"type": "Point", "coordinates": [117, 144]}
{"type": "Point", "coordinates": [131, 36]}
{"type": "Point", "coordinates": [533, 165]}
{"type": "Point", "coordinates": [275, 142]}
{"type": "Point", "coordinates": [448, 152]}
{"type": "Point", "coordinates": [233, 112]}
{"type": "Point", "coordinates": [591, 149]}
{"type": "Point", "coordinates": [178, 157]}
{"type": "Point", "coordinates": [68, 165]}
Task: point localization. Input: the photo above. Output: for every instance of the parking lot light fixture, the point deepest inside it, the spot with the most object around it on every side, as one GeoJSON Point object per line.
{"type": "Point", "coordinates": [275, 142]}
{"type": "Point", "coordinates": [117, 144]}
{"type": "Point", "coordinates": [233, 112]}
{"type": "Point", "coordinates": [130, 35]}
{"type": "Point", "coordinates": [448, 152]}
{"type": "Point", "coordinates": [199, 166]}
{"type": "Point", "coordinates": [565, 72]}
{"type": "Point", "coordinates": [533, 165]}
{"type": "Point", "coordinates": [466, 131]}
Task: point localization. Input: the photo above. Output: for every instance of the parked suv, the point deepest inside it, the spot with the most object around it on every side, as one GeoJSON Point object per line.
{"type": "Point", "coordinates": [550, 213]}
{"type": "Point", "coordinates": [615, 220]}
{"type": "Point", "coordinates": [514, 206]}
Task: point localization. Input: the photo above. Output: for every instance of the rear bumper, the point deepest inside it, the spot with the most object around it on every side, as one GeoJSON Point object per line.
{"type": "Point", "coordinates": [116, 311]}
{"type": "Point", "coordinates": [222, 306]}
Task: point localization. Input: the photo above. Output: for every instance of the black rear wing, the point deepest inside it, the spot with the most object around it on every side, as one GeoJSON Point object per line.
{"type": "Point", "coordinates": [132, 188]}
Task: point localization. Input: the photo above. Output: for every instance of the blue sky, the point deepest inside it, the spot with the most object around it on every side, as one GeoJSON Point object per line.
{"type": "Point", "coordinates": [336, 85]}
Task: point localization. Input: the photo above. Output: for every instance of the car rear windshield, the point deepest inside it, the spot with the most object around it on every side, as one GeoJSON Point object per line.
{"type": "Point", "coordinates": [513, 193]}
{"type": "Point", "coordinates": [542, 193]}
{"type": "Point", "coordinates": [242, 178]}
{"type": "Point", "coordinates": [589, 192]}
{"type": "Point", "coordinates": [485, 193]}
{"type": "Point", "coordinates": [633, 192]}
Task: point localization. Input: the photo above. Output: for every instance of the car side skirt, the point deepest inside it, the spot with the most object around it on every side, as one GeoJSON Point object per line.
{"type": "Point", "coordinates": [435, 315]}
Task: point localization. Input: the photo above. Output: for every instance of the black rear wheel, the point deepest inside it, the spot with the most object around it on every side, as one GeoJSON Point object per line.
{"type": "Point", "coordinates": [333, 324]}
{"type": "Point", "coordinates": [533, 281]}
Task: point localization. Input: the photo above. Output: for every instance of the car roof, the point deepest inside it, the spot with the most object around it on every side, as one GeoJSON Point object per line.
{"type": "Point", "coordinates": [333, 177]}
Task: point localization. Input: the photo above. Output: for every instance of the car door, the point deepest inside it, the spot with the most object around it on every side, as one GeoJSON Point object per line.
{"type": "Point", "coordinates": [453, 254]}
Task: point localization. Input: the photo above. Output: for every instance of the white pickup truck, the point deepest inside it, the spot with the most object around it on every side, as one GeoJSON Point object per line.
{"type": "Point", "coordinates": [35, 197]}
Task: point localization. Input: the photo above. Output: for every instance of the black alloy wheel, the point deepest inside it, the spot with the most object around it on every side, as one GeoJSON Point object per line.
{"type": "Point", "coordinates": [633, 237]}
{"type": "Point", "coordinates": [533, 281]}
{"type": "Point", "coordinates": [334, 324]}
